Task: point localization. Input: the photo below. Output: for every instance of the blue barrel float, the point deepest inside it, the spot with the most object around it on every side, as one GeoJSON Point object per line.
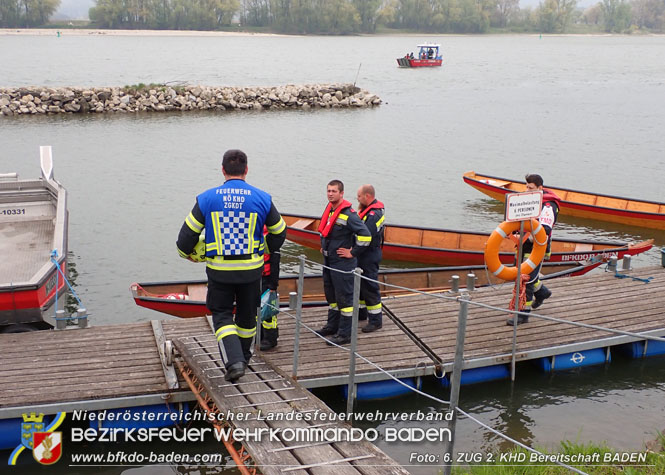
{"type": "Point", "coordinates": [480, 375]}
{"type": "Point", "coordinates": [642, 349]}
{"type": "Point", "coordinates": [386, 389]}
{"type": "Point", "coordinates": [576, 359]}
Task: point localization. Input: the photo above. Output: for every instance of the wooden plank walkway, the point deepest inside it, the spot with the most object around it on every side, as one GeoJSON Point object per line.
{"type": "Point", "coordinates": [265, 391]}
{"type": "Point", "coordinates": [599, 299]}
{"type": "Point", "coordinates": [119, 365]}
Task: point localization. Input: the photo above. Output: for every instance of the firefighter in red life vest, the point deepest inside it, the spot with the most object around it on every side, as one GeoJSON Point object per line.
{"type": "Point", "coordinates": [536, 292]}
{"type": "Point", "coordinates": [269, 283]}
{"type": "Point", "coordinates": [343, 238]}
{"type": "Point", "coordinates": [372, 212]}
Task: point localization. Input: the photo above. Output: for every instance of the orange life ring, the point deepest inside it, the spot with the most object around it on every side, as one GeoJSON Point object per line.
{"type": "Point", "coordinates": [504, 230]}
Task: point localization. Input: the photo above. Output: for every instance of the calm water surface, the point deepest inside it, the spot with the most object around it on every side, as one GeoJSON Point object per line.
{"type": "Point", "coordinates": [585, 112]}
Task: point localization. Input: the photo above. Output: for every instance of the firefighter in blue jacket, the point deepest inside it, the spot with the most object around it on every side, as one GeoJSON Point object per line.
{"type": "Point", "coordinates": [372, 212]}
{"type": "Point", "coordinates": [233, 216]}
{"type": "Point", "coordinates": [343, 237]}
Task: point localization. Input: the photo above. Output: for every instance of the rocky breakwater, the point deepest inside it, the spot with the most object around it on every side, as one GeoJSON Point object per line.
{"type": "Point", "coordinates": [161, 98]}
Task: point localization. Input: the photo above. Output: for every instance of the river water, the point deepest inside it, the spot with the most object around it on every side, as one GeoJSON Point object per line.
{"type": "Point", "coordinates": [585, 112]}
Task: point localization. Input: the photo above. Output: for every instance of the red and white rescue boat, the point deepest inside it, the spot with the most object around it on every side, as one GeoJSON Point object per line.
{"type": "Point", "coordinates": [33, 224]}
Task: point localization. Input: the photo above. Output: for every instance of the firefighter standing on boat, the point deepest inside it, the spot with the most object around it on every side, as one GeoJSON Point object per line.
{"type": "Point", "coordinates": [343, 237]}
{"type": "Point", "coordinates": [233, 216]}
{"type": "Point", "coordinates": [536, 292]}
{"type": "Point", "coordinates": [372, 212]}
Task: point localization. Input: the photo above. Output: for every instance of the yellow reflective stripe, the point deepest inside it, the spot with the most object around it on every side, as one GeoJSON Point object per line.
{"type": "Point", "coordinates": [333, 306]}
{"type": "Point", "coordinates": [374, 307]}
{"type": "Point", "coordinates": [245, 332]}
{"type": "Point", "coordinates": [193, 224]}
{"type": "Point", "coordinates": [269, 325]}
{"type": "Point", "coordinates": [343, 217]}
{"type": "Point", "coordinates": [250, 233]}
{"type": "Point", "coordinates": [347, 311]}
{"type": "Point", "coordinates": [364, 238]}
{"type": "Point", "coordinates": [225, 331]}
{"type": "Point", "coordinates": [219, 263]}
{"type": "Point", "coordinates": [379, 223]}
{"type": "Point", "coordinates": [182, 254]}
{"type": "Point", "coordinates": [218, 245]}
{"type": "Point", "coordinates": [277, 228]}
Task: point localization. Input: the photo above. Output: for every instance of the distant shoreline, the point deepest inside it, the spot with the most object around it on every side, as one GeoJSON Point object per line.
{"type": "Point", "coordinates": [193, 33]}
{"type": "Point", "coordinates": [90, 32]}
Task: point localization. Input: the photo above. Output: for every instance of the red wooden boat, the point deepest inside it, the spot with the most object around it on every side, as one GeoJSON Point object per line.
{"type": "Point", "coordinates": [427, 57]}
{"type": "Point", "coordinates": [446, 247]}
{"type": "Point", "coordinates": [33, 223]}
{"type": "Point", "coordinates": [615, 209]}
{"type": "Point", "coordinates": [186, 299]}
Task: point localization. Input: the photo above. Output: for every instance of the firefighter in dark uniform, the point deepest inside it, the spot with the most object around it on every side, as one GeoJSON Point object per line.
{"type": "Point", "coordinates": [536, 292]}
{"type": "Point", "coordinates": [269, 282]}
{"type": "Point", "coordinates": [233, 216]}
{"type": "Point", "coordinates": [372, 212]}
{"type": "Point", "coordinates": [343, 238]}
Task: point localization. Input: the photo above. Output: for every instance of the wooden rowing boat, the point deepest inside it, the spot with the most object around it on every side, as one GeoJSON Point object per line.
{"type": "Point", "coordinates": [33, 223]}
{"type": "Point", "coordinates": [446, 247]}
{"type": "Point", "coordinates": [186, 299]}
{"type": "Point", "coordinates": [615, 209]}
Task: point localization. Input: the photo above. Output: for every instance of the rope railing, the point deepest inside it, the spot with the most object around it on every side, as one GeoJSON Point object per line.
{"type": "Point", "coordinates": [464, 301]}
{"type": "Point", "coordinates": [424, 394]}
{"type": "Point", "coordinates": [492, 307]}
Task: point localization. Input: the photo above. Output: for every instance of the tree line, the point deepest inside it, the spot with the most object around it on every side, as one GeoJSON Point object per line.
{"type": "Point", "coordinates": [26, 13]}
{"type": "Point", "coordinates": [353, 16]}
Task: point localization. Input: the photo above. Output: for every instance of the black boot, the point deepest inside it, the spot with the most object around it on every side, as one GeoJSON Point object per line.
{"type": "Point", "coordinates": [269, 338]}
{"type": "Point", "coordinates": [541, 295]}
{"type": "Point", "coordinates": [520, 319]}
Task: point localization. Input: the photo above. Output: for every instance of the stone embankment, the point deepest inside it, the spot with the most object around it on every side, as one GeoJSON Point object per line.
{"type": "Point", "coordinates": [160, 98]}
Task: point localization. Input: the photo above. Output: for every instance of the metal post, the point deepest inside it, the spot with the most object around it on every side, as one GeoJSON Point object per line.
{"type": "Point", "coordinates": [296, 340]}
{"type": "Point", "coordinates": [351, 393]}
{"type": "Point", "coordinates": [82, 317]}
{"type": "Point", "coordinates": [293, 300]}
{"type": "Point", "coordinates": [456, 380]}
{"type": "Point", "coordinates": [259, 330]}
{"type": "Point", "coordinates": [518, 264]}
{"type": "Point", "coordinates": [625, 265]}
{"type": "Point", "coordinates": [60, 320]}
{"type": "Point", "coordinates": [612, 265]}
{"type": "Point", "coordinates": [454, 283]}
{"type": "Point", "coordinates": [470, 282]}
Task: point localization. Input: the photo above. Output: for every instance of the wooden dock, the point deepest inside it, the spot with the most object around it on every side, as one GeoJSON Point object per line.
{"type": "Point", "coordinates": [263, 398]}
{"type": "Point", "coordinates": [599, 299]}
{"type": "Point", "coordinates": [116, 366]}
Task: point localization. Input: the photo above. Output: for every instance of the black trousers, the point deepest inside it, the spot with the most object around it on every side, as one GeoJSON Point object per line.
{"type": "Point", "coordinates": [235, 334]}
{"type": "Point", "coordinates": [338, 288]}
{"type": "Point", "coordinates": [369, 291]}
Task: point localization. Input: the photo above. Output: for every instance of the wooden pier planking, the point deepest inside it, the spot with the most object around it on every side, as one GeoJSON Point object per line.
{"type": "Point", "coordinates": [123, 360]}
{"type": "Point", "coordinates": [266, 390]}
{"type": "Point", "coordinates": [598, 299]}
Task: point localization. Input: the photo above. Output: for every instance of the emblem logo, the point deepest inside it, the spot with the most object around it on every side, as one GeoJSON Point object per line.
{"type": "Point", "coordinates": [47, 448]}
{"type": "Point", "coordinates": [31, 423]}
{"type": "Point", "coordinates": [577, 358]}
